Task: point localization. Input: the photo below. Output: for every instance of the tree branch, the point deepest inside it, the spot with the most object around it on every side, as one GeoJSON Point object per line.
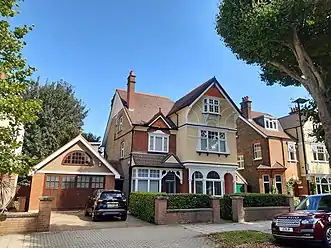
{"type": "Point", "coordinates": [289, 72]}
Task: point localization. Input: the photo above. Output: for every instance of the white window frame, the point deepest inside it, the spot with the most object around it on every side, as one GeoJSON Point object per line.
{"type": "Point", "coordinates": [315, 151]}
{"type": "Point", "coordinates": [198, 180]}
{"type": "Point", "coordinates": [149, 178]}
{"type": "Point", "coordinates": [199, 148]}
{"type": "Point", "coordinates": [263, 182]}
{"type": "Point", "coordinates": [212, 180]}
{"type": "Point", "coordinates": [291, 148]}
{"type": "Point", "coordinates": [270, 124]}
{"type": "Point", "coordinates": [279, 182]}
{"type": "Point", "coordinates": [120, 125]}
{"type": "Point", "coordinates": [256, 151]}
{"type": "Point", "coordinates": [158, 134]}
{"type": "Point", "coordinates": [318, 181]}
{"type": "Point", "coordinates": [209, 108]}
{"type": "Point", "coordinates": [122, 149]}
{"type": "Point", "coordinates": [241, 162]}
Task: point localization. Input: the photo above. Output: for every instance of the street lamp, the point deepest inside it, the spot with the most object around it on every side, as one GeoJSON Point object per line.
{"type": "Point", "coordinates": [300, 101]}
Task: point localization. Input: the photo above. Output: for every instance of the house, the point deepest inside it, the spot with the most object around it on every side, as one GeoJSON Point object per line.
{"type": "Point", "coordinates": [165, 146]}
{"type": "Point", "coordinates": [267, 155]}
{"type": "Point", "coordinates": [311, 153]}
{"type": "Point", "coordinates": [70, 175]}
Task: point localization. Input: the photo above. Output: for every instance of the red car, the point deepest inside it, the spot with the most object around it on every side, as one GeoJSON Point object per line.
{"type": "Point", "coordinates": [310, 221]}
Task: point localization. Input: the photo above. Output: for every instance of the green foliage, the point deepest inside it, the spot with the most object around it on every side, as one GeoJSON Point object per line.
{"type": "Point", "coordinates": [290, 186]}
{"type": "Point", "coordinates": [60, 120]}
{"type": "Point", "coordinates": [142, 204]}
{"type": "Point", "coordinates": [251, 200]}
{"type": "Point", "coordinates": [90, 137]}
{"type": "Point", "coordinates": [312, 187]}
{"type": "Point", "coordinates": [310, 112]}
{"type": "Point", "coordinates": [15, 111]}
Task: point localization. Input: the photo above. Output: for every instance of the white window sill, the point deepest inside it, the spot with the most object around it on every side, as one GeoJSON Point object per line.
{"type": "Point", "coordinates": [292, 161]}
{"type": "Point", "coordinates": [213, 152]}
{"type": "Point", "coordinates": [210, 113]}
{"type": "Point", "coordinates": [256, 159]}
{"type": "Point", "coordinates": [241, 168]}
{"type": "Point", "coordinates": [320, 162]}
{"type": "Point", "coordinates": [158, 151]}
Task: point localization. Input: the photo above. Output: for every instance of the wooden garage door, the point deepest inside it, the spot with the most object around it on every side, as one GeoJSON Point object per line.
{"type": "Point", "coordinates": [71, 191]}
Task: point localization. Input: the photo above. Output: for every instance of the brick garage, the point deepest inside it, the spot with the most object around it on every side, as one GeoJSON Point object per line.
{"type": "Point", "coordinates": [70, 175]}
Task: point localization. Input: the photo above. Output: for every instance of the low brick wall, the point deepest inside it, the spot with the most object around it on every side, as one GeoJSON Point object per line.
{"type": "Point", "coordinates": [23, 222]}
{"type": "Point", "coordinates": [264, 213]}
{"type": "Point", "coordinates": [164, 216]}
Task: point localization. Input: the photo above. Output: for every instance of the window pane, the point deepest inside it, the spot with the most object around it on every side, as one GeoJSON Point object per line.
{"type": "Point", "coordinates": [142, 185]}
{"type": "Point", "coordinates": [142, 172]}
{"type": "Point", "coordinates": [321, 156]}
{"type": "Point", "coordinates": [266, 188]}
{"type": "Point", "coordinates": [158, 143]}
{"type": "Point", "coordinates": [216, 108]}
{"type": "Point", "coordinates": [165, 144]}
{"type": "Point", "coordinates": [279, 188]}
{"type": "Point", "coordinates": [133, 185]}
{"type": "Point", "coordinates": [204, 144]}
{"type": "Point", "coordinates": [278, 178]}
{"type": "Point", "coordinates": [213, 175]}
{"type": "Point", "coordinates": [209, 188]}
{"type": "Point", "coordinates": [266, 178]}
{"type": "Point", "coordinates": [325, 188]}
{"type": "Point", "coordinates": [197, 175]}
{"type": "Point", "coordinates": [217, 189]}
{"type": "Point", "coordinates": [222, 146]}
{"type": "Point", "coordinates": [151, 143]}
{"type": "Point", "coordinates": [155, 173]}
{"type": "Point", "coordinates": [198, 187]}
{"type": "Point", "coordinates": [154, 186]}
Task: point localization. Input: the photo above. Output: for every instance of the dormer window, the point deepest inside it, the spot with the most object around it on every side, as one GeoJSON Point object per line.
{"type": "Point", "coordinates": [270, 124]}
{"type": "Point", "coordinates": [211, 106]}
{"type": "Point", "coordinates": [158, 142]}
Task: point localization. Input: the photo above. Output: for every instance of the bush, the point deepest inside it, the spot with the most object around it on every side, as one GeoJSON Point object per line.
{"type": "Point", "coordinates": [142, 204]}
{"type": "Point", "coordinates": [251, 200]}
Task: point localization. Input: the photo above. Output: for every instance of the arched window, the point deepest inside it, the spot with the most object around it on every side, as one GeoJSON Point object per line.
{"type": "Point", "coordinates": [197, 179]}
{"type": "Point", "coordinates": [325, 185]}
{"type": "Point", "coordinates": [213, 183]}
{"type": "Point", "coordinates": [77, 158]}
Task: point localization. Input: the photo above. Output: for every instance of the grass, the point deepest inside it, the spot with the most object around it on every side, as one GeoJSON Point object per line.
{"type": "Point", "coordinates": [240, 238]}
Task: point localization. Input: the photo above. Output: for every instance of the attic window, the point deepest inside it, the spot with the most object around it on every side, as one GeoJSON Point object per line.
{"type": "Point", "coordinates": [211, 106]}
{"type": "Point", "coordinates": [77, 158]}
{"type": "Point", "coordinates": [270, 124]}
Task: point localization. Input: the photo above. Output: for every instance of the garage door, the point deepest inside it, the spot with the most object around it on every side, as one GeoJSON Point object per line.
{"type": "Point", "coordinates": [71, 191]}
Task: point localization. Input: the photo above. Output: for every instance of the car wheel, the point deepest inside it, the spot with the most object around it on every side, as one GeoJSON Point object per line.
{"type": "Point", "coordinates": [94, 217]}
{"type": "Point", "coordinates": [124, 217]}
{"type": "Point", "coordinates": [327, 236]}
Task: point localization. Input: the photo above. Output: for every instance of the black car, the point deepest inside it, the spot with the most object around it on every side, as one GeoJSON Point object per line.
{"type": "Point", "coordinates": [106, 203]}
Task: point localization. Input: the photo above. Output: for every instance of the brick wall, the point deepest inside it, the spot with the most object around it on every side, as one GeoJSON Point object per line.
{"type": "Point", "coordinates": [37, 186]}
{"type": "Point", "coordinates": [247, 136]}
{"type": "Point", "coordinates": [27, 222]}
{"type": "Point", "coordinates": [264, 213]}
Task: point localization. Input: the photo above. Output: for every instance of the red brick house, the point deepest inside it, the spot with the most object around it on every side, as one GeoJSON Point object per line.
{"type": "Point", "coordinates": [70, 175]}
{"type": "Point", "coordinates": [267, 155]}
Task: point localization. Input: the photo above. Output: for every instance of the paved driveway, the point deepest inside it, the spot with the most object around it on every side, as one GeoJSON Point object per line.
{"type": "Point", "coordinates": [75, 220]}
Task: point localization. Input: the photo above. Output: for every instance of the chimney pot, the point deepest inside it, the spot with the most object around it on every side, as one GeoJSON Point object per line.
{"type": "Point", "coordinates": [131, 89]}
{"type": "Point", "coordinates": [246, 107]}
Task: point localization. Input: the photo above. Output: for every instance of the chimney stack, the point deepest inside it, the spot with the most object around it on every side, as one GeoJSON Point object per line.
{"type": "Point", "coordinates": [131, 90]}
{"type": "Point", "coordinates": [294, 110]}
{"type": "Point", "coordinates": [246, 107]}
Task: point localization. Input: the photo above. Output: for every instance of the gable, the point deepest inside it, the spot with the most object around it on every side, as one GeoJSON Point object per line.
{"type": "Point", "coordinates": [159, 123]}
{"type": "Point", "coordinates": [214, 92]}
{"type": "Point", "coordinates": [171, 159]}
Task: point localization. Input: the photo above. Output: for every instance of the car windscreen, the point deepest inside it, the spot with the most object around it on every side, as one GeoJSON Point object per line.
{"type": "Point", "coordinates": [310, 203]}
{"type": "Point", "coordinates": [110, 195]}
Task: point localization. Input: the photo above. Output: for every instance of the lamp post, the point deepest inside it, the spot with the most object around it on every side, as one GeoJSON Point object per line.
{"type": "Point", "coordinates": [300, 101]}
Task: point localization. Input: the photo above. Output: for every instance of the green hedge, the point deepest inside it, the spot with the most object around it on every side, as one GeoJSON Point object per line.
{"type": "Point", "coordinates": [251, 200]}
{"type": "Point", "coordinates": [141, 204]}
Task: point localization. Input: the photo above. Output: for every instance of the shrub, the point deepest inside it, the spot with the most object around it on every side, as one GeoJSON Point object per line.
{"type": "Point", "coordinates": [251, 200]}
{"type": "Point", "coordinates": [188, 201]}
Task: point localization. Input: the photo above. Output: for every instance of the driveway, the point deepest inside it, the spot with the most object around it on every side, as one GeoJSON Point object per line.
{"type": "Point", "coordinates": [75, 220]}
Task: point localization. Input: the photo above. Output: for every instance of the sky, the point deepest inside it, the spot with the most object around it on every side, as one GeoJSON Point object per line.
{"type": "Point", "coordinates": [171, 46]}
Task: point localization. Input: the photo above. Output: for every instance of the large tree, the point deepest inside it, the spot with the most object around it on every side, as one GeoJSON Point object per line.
{"type": "Point", "coordinates": [60, 120]}
{"type": "Point", "coordinates": [290, 41]}
{"type": "Point", "coordinates": [90, 137]}
{"type": "Point", "coordinates": [15, 111]}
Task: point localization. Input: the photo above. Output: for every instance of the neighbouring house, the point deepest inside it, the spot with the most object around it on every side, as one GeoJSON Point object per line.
{"type": "Point", "coordinates": [313, 154]}
{"type": "Point", "coordinates": [267, 155]}
{"type": "Point", "coordinates": [70, 175]}
{"type": "Point", "coordinates": [165, 146]}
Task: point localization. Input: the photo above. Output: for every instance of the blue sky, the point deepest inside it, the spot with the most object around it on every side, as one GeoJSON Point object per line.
{"type": "Point", "coordinates": [171, 45]}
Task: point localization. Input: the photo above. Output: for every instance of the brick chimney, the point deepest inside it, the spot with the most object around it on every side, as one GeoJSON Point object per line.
{"type": "Point", "coordinates": [131, 90]}
{"type": "Point", "coordinates": [246, 107]}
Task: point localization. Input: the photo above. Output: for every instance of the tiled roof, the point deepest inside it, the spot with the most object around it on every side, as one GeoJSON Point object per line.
{"type": "Point", "coordinates": [275, 165]}
{"type": "Point", "coordinates": [155, 160]}
{"type": "Point", "coordinates": [145, 106]}
{"type": "Point", "coordinates": [291, 121]}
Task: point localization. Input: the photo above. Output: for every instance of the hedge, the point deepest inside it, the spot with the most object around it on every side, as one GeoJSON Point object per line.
{"type": "Point", "coordinates": [251, 200]}
{"type": "Point", "coordinates": [141, 205]}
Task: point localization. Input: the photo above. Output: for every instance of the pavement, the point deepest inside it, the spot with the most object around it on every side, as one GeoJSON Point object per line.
{"type": "Point", "coordinates": [149, 236]}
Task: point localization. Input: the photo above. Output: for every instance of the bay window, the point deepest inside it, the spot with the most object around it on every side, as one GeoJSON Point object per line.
{"type": "Point", "coordinates": [158, 142]}
{"type": "Point", "coordinates": [213, 184]}
{"type": "Point", "coordinates": [212, 141]}
{"type": "Point", "coordinates": [320, 153]}
{"type": "Point", "coordinates": [211, 106]}
{"type": "Point", "coordinates": [146, 180]}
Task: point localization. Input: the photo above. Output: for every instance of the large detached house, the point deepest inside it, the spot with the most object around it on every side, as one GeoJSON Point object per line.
{"type": "Point", "coordinates": [165, 146]}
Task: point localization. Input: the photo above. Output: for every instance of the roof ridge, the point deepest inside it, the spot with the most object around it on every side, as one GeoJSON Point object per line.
{"type": "Point", "coordinates": [148, 94]}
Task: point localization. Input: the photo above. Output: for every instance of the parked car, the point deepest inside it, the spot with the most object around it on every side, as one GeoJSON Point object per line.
{"type": "Point", "coordinates": [310, 221]}
{"type": "Point", "coordinates": [106, 203]}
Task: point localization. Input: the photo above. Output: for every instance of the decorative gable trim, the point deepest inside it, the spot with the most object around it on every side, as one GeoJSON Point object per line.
{"type": "Point", "coordinates": [171, 159]}
{"type": "Point", "coordinates": [64, 148]}
{"type": "Point", "coordinates": [157, 118]}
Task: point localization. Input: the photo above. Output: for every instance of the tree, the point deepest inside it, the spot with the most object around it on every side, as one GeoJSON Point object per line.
{"type": "Point", "coordinates": [15, 111]}
{"type": "Point", "coordinates": [60, 120]}
{"type": "Point", "coordinates": [310, 112]}
{"type": "Point", "coordinates": [90, 137]}
{"type": "Point", "coordinates": [290, 41]}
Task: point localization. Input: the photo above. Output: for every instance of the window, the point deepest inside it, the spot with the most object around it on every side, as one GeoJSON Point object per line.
{"type": "Point", "coordinates": [257, 149]}
{"type": "Point", "coordinates": [122, 150]}
{"type": "Point", "coordinates": [120, 124]}
{"type": "Point", "coordinates": [158, 142]}
{"type": "Point", "coordinates": [320, 153]}
{"type": "Point", "coordinates": [323, 185]}
{"type": "Point", "coordinates": [211, 106]}
{"type": "Point", "coordinates": [77, 158]}
{"type": "Point", "coordinates": [278, 183]}
{"type": "Point", "coordinates": [146, 180]}
{"type": "Point", "coordinates": [170, 183]}
{"type": "Point", "coordinates": [83, 181]}
{"type": "Point", "coordinates": [270, 124]}
{"type": "Point", "coordinates": [292, 156]}
{"type": "Point", "coordinates": [241, 162]}
{"type": "Point", "coordinates": [266, 183]}
{"type": "Point", "coordinates": [212, 141]}
{"type": "Point", "coordinates": [213, 184]}
{"type": "Point", "coordinates": [68, 182]}
{"type": "Point", "coordinates": [97, 182]}
{"type": "Point", "coordinates": [52, 182]}
{"type": "Point", "coordinates": [197, 179]}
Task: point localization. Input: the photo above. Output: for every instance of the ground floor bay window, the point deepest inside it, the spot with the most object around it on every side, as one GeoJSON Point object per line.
{"type": "Point", "coordinates": [323, 184]}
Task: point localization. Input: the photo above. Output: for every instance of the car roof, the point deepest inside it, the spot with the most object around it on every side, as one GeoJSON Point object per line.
{"type": "Point", "coordinates": [110, 190]}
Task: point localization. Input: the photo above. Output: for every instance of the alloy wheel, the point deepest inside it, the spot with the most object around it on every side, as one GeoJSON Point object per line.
{"type": "Point", "coordinates": [328, 236]}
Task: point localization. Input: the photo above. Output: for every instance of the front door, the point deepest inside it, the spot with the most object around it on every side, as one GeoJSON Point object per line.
{"type": "Point", "coordinates": [170, 183]}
